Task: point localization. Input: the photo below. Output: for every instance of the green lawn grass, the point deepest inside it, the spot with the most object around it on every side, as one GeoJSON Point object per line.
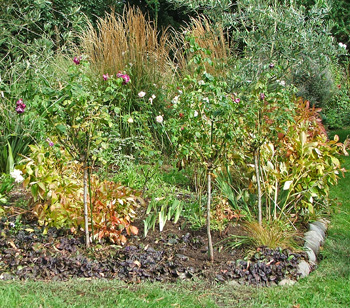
{"type": "Point", "coordinates": [342, 134]}
{"type": "Point", "coordinates": [328, 286]}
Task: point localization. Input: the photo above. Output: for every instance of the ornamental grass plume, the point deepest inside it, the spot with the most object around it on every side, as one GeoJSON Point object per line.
{"type": "Point", "coordinates": [129, 42]}
{"type": "Point", "coordinates": [208, 35]}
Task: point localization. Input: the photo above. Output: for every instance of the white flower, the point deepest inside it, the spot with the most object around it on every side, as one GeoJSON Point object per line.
{"type": "Point", "coordinates": [142, 94]}
{"type": "Point", "coordinates": [281, 82]}
{"type": "Point", "coordinates": [341, 45]}
{"type": "Point", "coordinates": [195, 113]}
{"type": "Point", "coordinates": [201, 82]}
{"type": "Point", "coordinates": [17, 175]}
{"type": "Point", "coordinates": [206, 99]}
{"type": "Point", "coordinates": [159, 119]}
{"type": "Point", "coordinates": [175, 99]}
{"type": "Point", "coordinates": [130, 120]}
{"type": "Point", "coordinates": [152, 98]}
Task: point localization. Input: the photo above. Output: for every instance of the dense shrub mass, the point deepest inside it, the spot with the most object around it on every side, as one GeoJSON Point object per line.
{"type": "Point", "coordinates": [231, 111]}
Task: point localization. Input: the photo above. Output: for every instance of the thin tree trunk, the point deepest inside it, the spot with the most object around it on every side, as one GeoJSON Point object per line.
{"type": "Point", "coordinates": [210, 244]}
{"type": "Point", "coordinates": [276, 195]}
{"type": "Point", "coordinates": [86, 214]}
{"type": "Point", "coordinates": [257, 173]}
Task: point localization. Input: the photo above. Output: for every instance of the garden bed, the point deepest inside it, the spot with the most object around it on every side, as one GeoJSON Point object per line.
{"type": "Point", "coordinates": [176, 253]}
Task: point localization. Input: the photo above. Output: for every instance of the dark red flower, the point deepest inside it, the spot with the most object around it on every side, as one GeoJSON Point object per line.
{"type": "Point", "coordinates": [76, 60]}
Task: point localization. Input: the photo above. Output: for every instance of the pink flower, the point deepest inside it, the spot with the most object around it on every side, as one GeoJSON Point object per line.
{"type": "Point", "coordinates": [76, 60]}
{"type": "Point", "coordinates": [126, 78]}
{"type": "Point", "coordinates": [105, 77]}
{"type": "Point", "coordinates": [20, 106]}
{"type": "Point", "coordinates": [237, 100]}
{"type": "Point", "coordinates": [262, 96]}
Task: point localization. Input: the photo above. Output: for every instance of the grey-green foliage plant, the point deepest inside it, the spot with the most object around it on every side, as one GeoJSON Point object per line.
{"type": "Point", "coordinates": [339, 15]}
{"type": "Point", "coordinates": [299, 41]}
{"type": "Point", "coordinates": [285, 33]}
{"type": "Point", "coordinates": [212, 8]}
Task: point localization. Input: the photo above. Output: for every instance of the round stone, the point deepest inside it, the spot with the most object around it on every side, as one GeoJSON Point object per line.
{"type": "Point", "coordinates": [303, 269]}
{"type": "Point", "coordinates": [319, 231]}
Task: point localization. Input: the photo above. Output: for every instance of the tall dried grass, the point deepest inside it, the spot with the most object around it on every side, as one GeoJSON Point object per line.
{"type": "Point", "coordinates": [208, 35]}
{"type": "Point", "coordinates": [131, 43]}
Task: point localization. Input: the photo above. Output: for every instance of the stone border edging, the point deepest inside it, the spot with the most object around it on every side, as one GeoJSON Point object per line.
{"type": "Point", "coordinates": [314, 239]}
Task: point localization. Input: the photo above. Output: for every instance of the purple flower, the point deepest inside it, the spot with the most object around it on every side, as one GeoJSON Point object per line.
{"type": "Point", "coordinates": [51, 144]}
{"type": "Point", "coordinates": [237, 100]}
{"type": "Point", "coordinates": [262, 96]}
{"type": "Point", "coordinates": [271, 65]}
{"type": "Point", "coordinates": [20, 106]}
{"type": "Point", "coordinates": [76, 60]}
{"type": "Point", "coordinates": [105, 77]}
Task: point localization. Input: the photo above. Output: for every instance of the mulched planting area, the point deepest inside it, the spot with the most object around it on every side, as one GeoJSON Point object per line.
{"type": "Point", "coordinates": [25, 253]}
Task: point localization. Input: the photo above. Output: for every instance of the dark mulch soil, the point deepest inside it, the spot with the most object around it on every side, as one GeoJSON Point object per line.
{"type": "Point", "coordinates": [25, 253]}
